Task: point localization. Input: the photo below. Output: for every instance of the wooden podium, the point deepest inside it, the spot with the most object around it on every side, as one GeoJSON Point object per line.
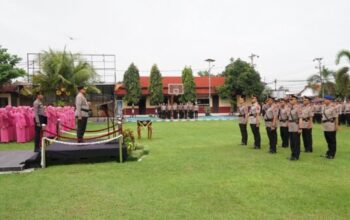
{"type": "Point", "coordinates": [144, 124]}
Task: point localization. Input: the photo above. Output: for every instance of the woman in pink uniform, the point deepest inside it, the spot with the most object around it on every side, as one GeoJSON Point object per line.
{"type": "Point", "coordinates": [11, 126]}
{"type": "Point", "coordinates": [5, 127]}
{"type": "Point", "coordinates": [51, 119]}
{"type": "Point", "coordinates": [20, 127]}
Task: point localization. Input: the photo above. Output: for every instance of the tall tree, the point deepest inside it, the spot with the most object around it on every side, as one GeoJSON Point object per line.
{"type": "Point", "coordinates": [342, 75]}
{"type": "Point", "coordinates": [327, 77]}
{"type": "Point", "coordinates": [189, 85]}
{"type": "Point", "coordinates": [155, 86]}
{"type": "Point", "coordinates": [132, 85]}
{"type": "Point", "coordinates": [8, 69]}
{"type": "Point", "coordinates": [62, 72]}
{"type": "Point", "coordinates": [343, 83]}
{"type": "Point", "coordinates": [240, 79]}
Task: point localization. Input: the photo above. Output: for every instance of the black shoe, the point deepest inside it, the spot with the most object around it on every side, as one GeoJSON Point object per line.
{"type": "Point", "coordinates": [293, 158]}
{"type": "Point", "coordinates": [330, 157]}
{"type": "Point", "coordinates": [272, 152]}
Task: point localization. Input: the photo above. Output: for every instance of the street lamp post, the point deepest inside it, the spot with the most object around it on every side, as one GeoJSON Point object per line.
{"type": "Point", "coordinates": [319, 60]}
{"type": "Point", "coordinates": [251, 57]}
{"type": "Point", "coordinates": [210, 61]}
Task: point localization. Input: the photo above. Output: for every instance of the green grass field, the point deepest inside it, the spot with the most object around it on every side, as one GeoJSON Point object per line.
{"type": "Point", "coordinates": [194, 170]}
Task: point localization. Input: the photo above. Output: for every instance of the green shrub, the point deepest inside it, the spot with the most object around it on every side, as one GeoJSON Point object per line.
{"type": "Point", "coordinates": [129, 140]}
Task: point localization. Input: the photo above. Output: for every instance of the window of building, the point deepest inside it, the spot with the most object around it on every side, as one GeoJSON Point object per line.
{"type": "Point", "coordinates": [202, 101]}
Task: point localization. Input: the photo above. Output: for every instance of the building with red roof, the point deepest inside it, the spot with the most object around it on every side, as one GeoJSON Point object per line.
{"type": "Point", "coordinates": [217, 104]}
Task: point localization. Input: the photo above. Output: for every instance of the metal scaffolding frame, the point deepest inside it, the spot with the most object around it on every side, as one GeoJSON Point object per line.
{"type": "Point", "coordinates": [104, 65]}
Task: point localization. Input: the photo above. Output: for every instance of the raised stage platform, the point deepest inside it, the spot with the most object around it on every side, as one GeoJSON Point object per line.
{"type": "Point", "coordinates": [15, 160]}
{"type": "Point", "coordinates": [18, 160]}
{"type": "Point", "coordinates": [64, 153]}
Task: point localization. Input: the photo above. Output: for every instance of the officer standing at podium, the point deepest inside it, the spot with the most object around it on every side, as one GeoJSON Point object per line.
{"type": "Point", "coordinates": [81, 112]}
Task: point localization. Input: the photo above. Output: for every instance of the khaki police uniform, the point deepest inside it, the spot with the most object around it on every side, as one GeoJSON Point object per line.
{"type": "Point", "coordinates": [254, 113]}
{"type": "Point", "coordinates": [307, 114]}
{"type": "Point", "coordinates": [196, 110]}
{"type": "Point", "coordinates": [81, 113]}
{"type": "Point", "coordinates": [329, 119]}
{"type": "Point", "coordinates": [342, 116]}
{"type": "Point", "coordinates": [243, 120]}
{"type": "Point", "coordinates": [39, 119]}
{"type": "Point", "coordinates": [294, 115]}
{"type": "Point", "coordinates": [163, 111]}
{"type": "Point", "coordinates": [168, 109]}
{"type": "Point", "coordinates": [175, 112]}
{"type": "Point", "coordinates": [270, 117]}
{"type": "Point", "coordinates": [347, 113]}
{"type": "Point", "coordinates": [185, 110]}
{"type": "Point", "coordinates": [283, 124]}
{"type": "Point", "coordinates": [318, 113]}
{"type": "Point", "coordinates": [190, 110]}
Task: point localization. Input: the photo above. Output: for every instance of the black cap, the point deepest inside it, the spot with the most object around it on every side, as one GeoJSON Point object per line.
{"type": "Point", "coordinates": [308, 98]}
{"type": "Point", "coordinates": [293, 97]}
{"type": "Point", "coordinates": [80, 87]}
{"type": "Point", "coordinates": [38, 93]}
{"type": "Point", "coordinates": [270, 97]}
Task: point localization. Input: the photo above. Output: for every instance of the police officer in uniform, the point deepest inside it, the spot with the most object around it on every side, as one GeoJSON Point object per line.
{"type": "Point", "coordinates": [81, 112]}
{"type": "Point", "coordinates": [190, 110]}
{"type": "Point", "coordinates": [270, 117]}
{"type": "Point", "coordinates": [168, 110]}
{"type": "Point", "coordinates": [294, 127]}
{"type": "Point", "coordinates": [181, 111]}
{"type": "Point", "coordinates": [185, 110]}
{"type": "Point", "coordinates": [39, 118]}
{"type": "Point", "coordinates": [307, 115]}
{"type": "Point", "coordinates": [347, 112]}
{"type": "Point", "coordinates": [264, 108]}
{"type": "Point", "coordinates": [243, 119]}
{"type": "Point", "coordinates": [343, 113]}
{"type": "Point", "coordinates": [338, 107]}
{"type": "Point", "coordinates": [254, 121]}
{"type": "Point", "coordinates": [330, 126]}
{"type": "Point", "coordinates": [283, 122]}
{"type": "Point", "coordinates": [175, 112]}
{"type": "Point", "coordinates": [196, 110]}
{"type": "Point", "coordinates": [318, 112]}
{"type": "Point", "coordinates": [163, 111]}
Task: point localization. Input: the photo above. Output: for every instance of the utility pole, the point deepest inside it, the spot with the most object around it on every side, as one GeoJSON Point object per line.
{"type": "Point", "coordinates": [275, 84]}
{"type": "Point", "coordinates": [252, 56]}
{"type": "Point", "coordinates": [319, 67]}
{"type": "Point", "coordinates": [209, 68]}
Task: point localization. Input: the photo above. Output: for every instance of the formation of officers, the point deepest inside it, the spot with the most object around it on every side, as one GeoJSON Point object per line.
{"type": "Point", "coordinates": [188, 110]}
{"type": "Point", "coordinates": [294, 117]}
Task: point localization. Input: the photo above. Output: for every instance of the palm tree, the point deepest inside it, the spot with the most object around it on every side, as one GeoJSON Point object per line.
{"type": "Point", "coordinates": [61, 72]}
{"type": "Point", "coordinates": [342, 77]}
{"type": "Point", "coordinates": [323, 83]}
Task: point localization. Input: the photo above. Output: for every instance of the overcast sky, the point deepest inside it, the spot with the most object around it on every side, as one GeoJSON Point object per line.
{"type": "Point", "coordinates": [286, 34]}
